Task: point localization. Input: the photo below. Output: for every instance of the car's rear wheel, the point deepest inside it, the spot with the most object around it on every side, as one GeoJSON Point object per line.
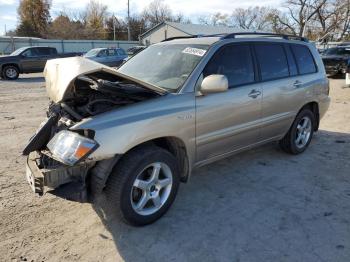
{"type": "Point", "coordinates": [10, 72]}
{"type": "Point", "coordinates": [142, 187]}
{"type": "Point", "coordinates": [300, 134]}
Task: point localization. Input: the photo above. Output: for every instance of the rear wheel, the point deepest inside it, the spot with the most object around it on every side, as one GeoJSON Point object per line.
{"type": "Point", "coordinates": [10, 72]}
{"type": "Point", "coordinates": [300, 134]}
{"type": "Point", "coordinates": [142, 187]}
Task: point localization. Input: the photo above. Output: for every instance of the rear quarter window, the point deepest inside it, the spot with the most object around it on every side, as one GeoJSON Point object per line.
{"type": "Point", "coordinates": [272, 60]}
{"type": "Point", "coordinates": [304, 59]}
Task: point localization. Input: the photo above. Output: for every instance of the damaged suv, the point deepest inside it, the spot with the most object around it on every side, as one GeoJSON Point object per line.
{"type": "Point", "coordinates": [135, 133]}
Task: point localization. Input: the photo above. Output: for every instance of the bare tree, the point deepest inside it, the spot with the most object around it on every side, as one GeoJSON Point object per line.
{"type": "Point", "coordinates": [217, 19]}
{"type": "Point", "coordinates": [345, 18]}
{"type": "Point", "coordinates": [299, 14]}
{"type": "Point", "coordinates": [255, 18]}
{"type": "Point", "coordinates": [156, 12]}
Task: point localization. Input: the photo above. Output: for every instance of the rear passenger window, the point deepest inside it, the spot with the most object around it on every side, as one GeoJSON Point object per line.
{"type": "Point", "coordinates": [293, 69]}
{"type": "Point", "coordinates": [43, 51]}
{"type": "Point", "coordinates": [235, 62]}
{"type": "Point", "coordinates": [304, 59]}
{"type": "Point", "coordinates": [272, 60]}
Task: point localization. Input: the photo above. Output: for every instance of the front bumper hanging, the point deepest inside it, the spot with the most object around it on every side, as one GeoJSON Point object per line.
{"type": "Point", "coordinates": [64, 181]}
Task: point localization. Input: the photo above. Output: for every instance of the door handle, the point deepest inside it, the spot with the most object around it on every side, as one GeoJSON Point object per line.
{"type": "Point", "coordinates": [254, 93]}
{"type": "Point", "coordinates": [297, 84]}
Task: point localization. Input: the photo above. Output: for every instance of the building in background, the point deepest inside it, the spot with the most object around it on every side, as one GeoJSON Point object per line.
{"type": "Point", "coordinates": [166, 30]}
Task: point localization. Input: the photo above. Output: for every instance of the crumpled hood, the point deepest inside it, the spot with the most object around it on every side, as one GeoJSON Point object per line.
{"type": "Point", "coordinates": [61, 73]}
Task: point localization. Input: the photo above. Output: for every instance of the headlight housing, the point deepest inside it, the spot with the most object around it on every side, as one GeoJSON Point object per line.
{"type": "Point", "coordinates": [70, 148]}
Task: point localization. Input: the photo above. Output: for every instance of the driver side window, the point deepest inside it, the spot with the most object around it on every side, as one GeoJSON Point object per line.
{"type": "Point", "coordinates": [29, 53]}
{"type": "Point", "coordinates": [103, 53]}
{"type": "Point", "coordinates": [233, 61]}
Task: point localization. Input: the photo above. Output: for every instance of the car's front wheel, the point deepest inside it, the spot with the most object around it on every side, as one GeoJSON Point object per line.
{"type": "Point", "coordinates": [10, 72]}
{"type": "Point", "coordinates": [300, 133]}
{"type": "Point", "coordinates": [142, 187]}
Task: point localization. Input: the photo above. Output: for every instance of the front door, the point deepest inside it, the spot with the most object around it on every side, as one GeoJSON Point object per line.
{"type": "Point", "coordinates": [30, 61]}
{"type": "Point", "coordinates": [229, 121]}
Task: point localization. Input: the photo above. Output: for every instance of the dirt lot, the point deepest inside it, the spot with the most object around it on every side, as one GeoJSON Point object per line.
{"type": "Point", "coordinates": [262, 205]}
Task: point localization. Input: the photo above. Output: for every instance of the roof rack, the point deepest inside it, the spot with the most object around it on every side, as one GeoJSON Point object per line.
{"type": "Point", "coordinates": [233, 35]}
{"type": "Point", "coordinates": [284, 36]}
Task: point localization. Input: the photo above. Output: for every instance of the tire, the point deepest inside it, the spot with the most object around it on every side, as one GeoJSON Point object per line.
{"type": "Point", "coordinates": [129, 202]}
{"type": "Point", "coordinates": [10, 72]}
{"type": "Point", "coordinates": [290, 142]}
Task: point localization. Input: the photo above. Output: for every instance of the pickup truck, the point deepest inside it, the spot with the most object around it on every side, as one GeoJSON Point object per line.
{"type": "Point", "coordinates": [28, 60]}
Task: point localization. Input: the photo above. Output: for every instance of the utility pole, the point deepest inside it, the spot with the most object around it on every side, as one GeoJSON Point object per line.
{"type": "Point", "coordinates": [113, 27]}
{"type": "Point", "coordinates": [5, 31]}
{"type": "Point", "coordinates": [129, 37]}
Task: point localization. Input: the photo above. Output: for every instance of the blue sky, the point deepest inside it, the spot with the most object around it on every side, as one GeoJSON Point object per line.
{"type": "Point", "coordinates": [190, 8]}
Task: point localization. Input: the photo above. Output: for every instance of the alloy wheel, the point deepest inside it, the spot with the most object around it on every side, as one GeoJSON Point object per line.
{"type": "Point", "coordinates": [11, 72]}
{"type": "Point", "coordinates": [303, 133]}
{"type": "Point", "coordinates": [151, 188]}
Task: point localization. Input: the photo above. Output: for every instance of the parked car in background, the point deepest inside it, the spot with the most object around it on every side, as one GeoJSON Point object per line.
{"type": "Point", "coordinates": [335, 59]}
{"type": "Point", "coordinates": [28, 60]}
{"type": "Point", "coordinates": [108, 56]}
{"type": "Point", "coordinates": [347, 75]}
{"type": "Point", "coordinates": [135, 133]}
{"type": "Point", "coordinates": [135, 49]}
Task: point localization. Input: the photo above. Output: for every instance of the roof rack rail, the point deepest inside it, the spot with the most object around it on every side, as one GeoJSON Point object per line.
{"type": "Point", "coordinates": [179, 37]}
{"type": "Point", "coordinates": [193, 36]}
{"type": "Point", "coordinates": [284, 36]}
{"type": "Point", "coordinates": [233, 35]}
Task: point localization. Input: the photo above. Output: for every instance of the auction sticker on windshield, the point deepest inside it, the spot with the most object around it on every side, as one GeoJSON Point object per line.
{"type": "Point", "coordinates": [194, 51]}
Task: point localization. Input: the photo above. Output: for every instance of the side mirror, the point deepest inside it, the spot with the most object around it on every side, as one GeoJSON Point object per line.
{"type": "Point", "coordinates": [214, 84]}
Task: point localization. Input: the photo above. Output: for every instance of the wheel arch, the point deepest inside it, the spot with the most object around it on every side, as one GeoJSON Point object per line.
{"type": "Point", "coordinates": [313, 106]}
{"type": "Point", "coordinates": [10, 64]}
{"type": "Point", "coordinates": [101, 171]}
{"type": "Point", "coordinates": [175, 146]}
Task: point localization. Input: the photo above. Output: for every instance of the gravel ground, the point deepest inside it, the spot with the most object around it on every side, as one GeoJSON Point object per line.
{"type": "Point", "coordinates": [262, 205]}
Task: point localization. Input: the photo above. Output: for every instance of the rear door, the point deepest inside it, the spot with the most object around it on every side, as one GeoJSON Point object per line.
{"type": "Point", "coordinates": [44, 54]}
{"type": "Point", "coordinates": [228, 121]}
{"type": "Point", "coordinates": [284, 86]}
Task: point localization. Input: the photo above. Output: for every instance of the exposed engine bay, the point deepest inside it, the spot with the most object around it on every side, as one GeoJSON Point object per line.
{"type": "Point", "coordinates": [93, 95]}
{"type": "Point", "coordinates": [89, 95]}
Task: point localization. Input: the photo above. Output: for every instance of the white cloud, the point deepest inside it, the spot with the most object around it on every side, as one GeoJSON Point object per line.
{"type": "Point", "coordinates": [7, 2]}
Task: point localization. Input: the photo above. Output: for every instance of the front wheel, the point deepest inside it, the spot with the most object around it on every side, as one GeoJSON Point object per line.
{"type": "Point", "coordinates": [10, 72]}
{"type": "Point", "coordinates": [300, 133]}
{"type": "Point", "coordinates": [142, 187]}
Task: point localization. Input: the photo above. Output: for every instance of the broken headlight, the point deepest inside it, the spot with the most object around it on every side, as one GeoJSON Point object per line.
{"type": "Point", "coordinates": [70, 148]}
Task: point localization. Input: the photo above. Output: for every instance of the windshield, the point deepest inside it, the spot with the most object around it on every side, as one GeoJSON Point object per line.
{"type": "Point", "coordinates": [337, 51]}
{"type": "Point", "coordinates": [165, 66]}
{"type": "Point", "coordinates": [92, 52]}
{"type": "Point", "coordinates": [18, 51]}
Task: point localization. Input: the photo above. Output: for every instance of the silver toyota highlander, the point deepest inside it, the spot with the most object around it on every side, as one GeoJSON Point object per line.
{"type": "Point", "coordinates": [135, 133]}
